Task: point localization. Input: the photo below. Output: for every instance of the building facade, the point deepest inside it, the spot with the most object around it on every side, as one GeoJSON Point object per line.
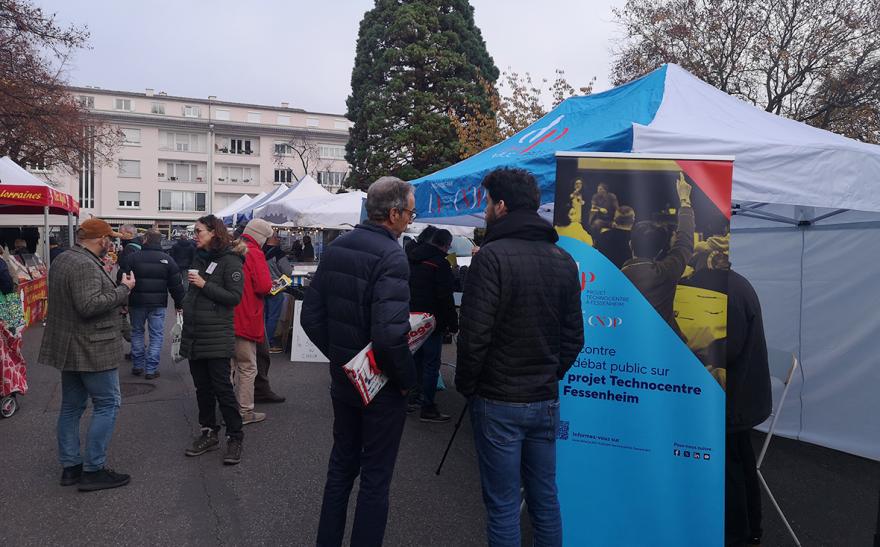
{"type": "Point", "coordinates": [183, 157]}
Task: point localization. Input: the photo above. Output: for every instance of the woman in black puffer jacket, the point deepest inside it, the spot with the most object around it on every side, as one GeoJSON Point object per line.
{"type": "Point", "coordinates": [208, 335]}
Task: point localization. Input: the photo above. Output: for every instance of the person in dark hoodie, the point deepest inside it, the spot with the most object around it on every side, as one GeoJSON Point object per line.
{"type": "Point", "coordinates": [520, 331]}
{"type": "Point", "coordinates": [157, 275]}
{"type": "Point", "coordinates": [208, 338]}
{"type": "Point", "coordinates": [749, 396]}
{"type": "Point", "coordinates": [430, 289]}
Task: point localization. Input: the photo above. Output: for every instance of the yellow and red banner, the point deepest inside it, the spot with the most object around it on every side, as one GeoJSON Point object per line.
{"type": "Point", "coordinates": [34, 300]}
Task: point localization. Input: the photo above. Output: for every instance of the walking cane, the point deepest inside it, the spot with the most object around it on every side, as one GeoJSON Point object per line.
{"type": "Point", "coordinates": [454, 431]}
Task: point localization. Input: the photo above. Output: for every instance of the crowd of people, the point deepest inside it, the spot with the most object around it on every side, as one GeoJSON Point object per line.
{"type": "Point", "coordinates": [517, 337]}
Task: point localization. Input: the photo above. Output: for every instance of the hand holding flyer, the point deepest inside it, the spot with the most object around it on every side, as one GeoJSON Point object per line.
{"type": "Point", "coordinates": [363, 371]}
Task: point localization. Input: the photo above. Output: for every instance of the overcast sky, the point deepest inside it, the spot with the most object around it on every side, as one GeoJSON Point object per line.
{"type": "Point", "coordinates": [302, 52]}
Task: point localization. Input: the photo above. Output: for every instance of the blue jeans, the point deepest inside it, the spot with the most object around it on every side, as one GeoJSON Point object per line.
{"type": "Point", "coordinates": [427, 361]}
{"type": "Point", "coordinates": [271, 313]}
{"type": "Point", "coordinates": [141, 359]}
{"type": "Point", "coordinates": [76, 388]}
{"type": "Point", "coordinates": [516, 444]}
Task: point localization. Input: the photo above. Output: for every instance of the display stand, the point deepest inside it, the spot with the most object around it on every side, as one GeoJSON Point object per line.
{"type": "Point", "coordinates": [775, 415]}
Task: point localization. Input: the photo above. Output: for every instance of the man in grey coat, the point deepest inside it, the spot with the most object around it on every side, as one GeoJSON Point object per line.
{"type": "Point", "coordinates": [83, 339]}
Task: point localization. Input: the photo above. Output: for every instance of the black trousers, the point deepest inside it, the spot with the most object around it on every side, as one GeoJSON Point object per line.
{"type": "Point", "coordinates": [365, 442]}
{"type": "Point", "coordinates": [261, 382]}
{"type": "Point", "coordinates": [213, 387]}
{"type": "Point", "coordinates": [742, 491]}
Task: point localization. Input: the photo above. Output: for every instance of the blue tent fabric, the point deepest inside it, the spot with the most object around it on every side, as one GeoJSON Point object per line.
{"type": "Point", "coordinates": [593, 123]}
{"type": "Point", "coordinates": [244, 215]}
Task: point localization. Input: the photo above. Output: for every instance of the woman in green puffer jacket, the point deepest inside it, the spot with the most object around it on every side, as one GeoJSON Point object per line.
{"type": "Point", "coordinates": [215, 287]}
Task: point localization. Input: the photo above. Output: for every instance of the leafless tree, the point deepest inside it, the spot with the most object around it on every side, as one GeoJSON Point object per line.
{"type": "Point", "coordinates": [41, 123]}
{"type": "Point", "coordinates": [816, 61]}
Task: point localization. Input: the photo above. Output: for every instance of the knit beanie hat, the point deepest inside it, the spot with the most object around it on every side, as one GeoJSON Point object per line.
{"type": "Point", "coordinates": [258, 229]}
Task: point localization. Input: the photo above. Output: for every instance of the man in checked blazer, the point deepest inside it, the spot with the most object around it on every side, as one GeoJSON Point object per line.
{"type": "Point", "coordinates": [83, 339]}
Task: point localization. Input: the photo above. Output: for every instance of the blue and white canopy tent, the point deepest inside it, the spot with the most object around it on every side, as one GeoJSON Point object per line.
{"type": "Point", "coordinates": [806, 227]}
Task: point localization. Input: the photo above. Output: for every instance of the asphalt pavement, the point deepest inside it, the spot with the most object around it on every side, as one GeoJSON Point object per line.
{"type": "Point", "coordinates": [274, 496]}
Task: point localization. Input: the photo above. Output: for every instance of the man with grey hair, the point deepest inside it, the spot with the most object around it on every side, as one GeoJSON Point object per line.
{"type": "Point", "coordinates": [360, 294]}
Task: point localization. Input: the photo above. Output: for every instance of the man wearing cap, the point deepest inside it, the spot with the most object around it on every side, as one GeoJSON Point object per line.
{"type": "Point", "coordinates": [83, 339]}
{"type": "Point", "coordinates": [250, 328]}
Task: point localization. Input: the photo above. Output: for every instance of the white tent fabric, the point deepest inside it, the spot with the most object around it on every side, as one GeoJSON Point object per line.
{"type": "Point", "coordinates": [245, 205]}
{"type": "Point", "coordinates": [247, 211]}
{"type": "Point", "coordinates": [777, 160]}
{"type": "Point", "coordinates": [234, 206]}
{"type": "Point", "coordinates": [341, 212]}
{"type": "Point", "coordinates": [12, 173]}
{"type": "Point", "coordinates": [287, 208]}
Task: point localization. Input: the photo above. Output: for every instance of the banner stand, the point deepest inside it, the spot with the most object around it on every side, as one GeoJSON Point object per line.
{"type": "Point", "coordinates": [777, 411]}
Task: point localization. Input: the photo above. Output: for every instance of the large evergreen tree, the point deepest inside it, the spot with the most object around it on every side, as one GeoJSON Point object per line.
{"type": "Point", "coordinates": [418, 62]}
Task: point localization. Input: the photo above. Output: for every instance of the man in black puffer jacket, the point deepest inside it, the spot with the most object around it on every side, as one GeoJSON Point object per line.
{"type": "Point", "coordinates": [521, 330]}
{"type": "Point", "coordinates": [360, 294]}
{"type": "Point", "coordinates": [157, 275]}
{"type": "Point", "coordinates": [430, 289]}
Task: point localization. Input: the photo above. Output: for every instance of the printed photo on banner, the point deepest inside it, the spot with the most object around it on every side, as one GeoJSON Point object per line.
{"type": "Point", "coordinates": [672, 242]}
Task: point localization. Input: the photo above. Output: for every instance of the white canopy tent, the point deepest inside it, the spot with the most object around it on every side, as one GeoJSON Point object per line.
{"type": "Point", "coordinates": [287, 208]}
{"type": "Point", "coordinates": [340, 212]}
{"type": "Point", "coordinates": [806, 228]}
{"type": "Point", "coordinates": [235, 205]}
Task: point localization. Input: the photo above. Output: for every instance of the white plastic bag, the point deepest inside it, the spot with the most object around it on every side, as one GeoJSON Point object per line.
{"type": "Point", "coordinates": [176, 333]}
{"type": "Point", "coordinates": [362, 369]}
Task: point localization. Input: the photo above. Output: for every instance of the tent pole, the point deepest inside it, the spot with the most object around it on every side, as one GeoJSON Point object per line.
{"type": "Point", "coordinates": [46, 235]}
{"type": "Point", "coordinates": [69, 230]}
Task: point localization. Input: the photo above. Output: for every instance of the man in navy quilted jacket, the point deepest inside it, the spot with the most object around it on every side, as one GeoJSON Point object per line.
{"type": "Point", "coordinates": [360, 294]}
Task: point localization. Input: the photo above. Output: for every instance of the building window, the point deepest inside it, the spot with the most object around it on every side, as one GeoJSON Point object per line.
{"type": "Point", "coordinates": [129, 200]}
{"type": "Point", "coordinates": [283, 120]}
{"type": "Point", "coordinates": [182, 142]}
{"type": "Point", "coordinates": [87, 175]}
{"type": "Point", "coordinates": [233, 174]}
{"type": "Point", "coordinates": [124, 104]}
{"type": "Point", "coordinates": [131, 136]}
{"type": "Point", "coordinates": [190, 111]}
{"type": "Point", "coordinates": [331, 179]}
{"type": "Point", "coordinates": [130, 169]}
{"type": "Point", "coordinates": [312, 122]}
{"type": "Point", "coordinates": [237, 145]}
{"type": "Point", "coordinates": [330, 151]}
{"type": "Point", "coordinates": [158, 108]}
{"type": "Point", "coordinates": [282, 149]}
{"type": "Point", "coordinates": [221, 114]}
{"type": "Point", "coordinates": [340, 125]}
{"type": "Point", "coordinates": [37, 165]}
{"type": "Point", "coordinates": [185, 172]}
{"type": "Point", "coordinates": [86, 101]}
{"type": "Point", "coordinates": [176, 200]}
{"type": "Point", "coordinates": [253, 117]}
{"type": "Point", "coordinates": [284, 175]}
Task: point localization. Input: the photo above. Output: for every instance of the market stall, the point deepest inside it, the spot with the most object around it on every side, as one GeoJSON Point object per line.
{"type": "Point", "coordinates": [23, 193]}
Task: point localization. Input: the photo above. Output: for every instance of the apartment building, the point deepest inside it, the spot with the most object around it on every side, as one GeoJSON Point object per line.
{"type": "Point", "coordinates": [183, 157]}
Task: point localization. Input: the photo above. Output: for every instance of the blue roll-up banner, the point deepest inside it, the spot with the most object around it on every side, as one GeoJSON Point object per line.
{"type": "Point", "coordinates": [641, 439]}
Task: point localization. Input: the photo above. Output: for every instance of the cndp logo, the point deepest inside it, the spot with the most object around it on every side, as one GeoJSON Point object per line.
{"type": "Point", "coordinates": [604, 321]}
{"type": "Point", "coordinates": [551, 132]}
{"type": "Point", "coordinates": [586, 279]}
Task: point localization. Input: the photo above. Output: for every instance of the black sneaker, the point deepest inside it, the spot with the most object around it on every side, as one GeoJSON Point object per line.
{"type": "Point", "coordinates": [233, 451]}
{"type": "Point", "coordinates": [71, 475]}
{"type": "Point", "coordinates": [205, 443]}
{"type": "Point", "coordinates": [151, 375]}
{"type": "Point", "coordinates": [431, 414]}
{"type": "Point", "coordinates": [270, 397]}
{"type": "Point", "coordinates": [102, 479]}
{"type": "Point", "coordinates": [137, 371]}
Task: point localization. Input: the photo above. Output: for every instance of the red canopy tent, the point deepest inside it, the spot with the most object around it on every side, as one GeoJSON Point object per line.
{"type": "Point", "coordinates": [23, 193]}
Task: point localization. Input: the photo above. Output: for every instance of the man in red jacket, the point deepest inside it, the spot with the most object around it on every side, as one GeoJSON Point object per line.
{"type": "Point", "coordinates": [249, 326]}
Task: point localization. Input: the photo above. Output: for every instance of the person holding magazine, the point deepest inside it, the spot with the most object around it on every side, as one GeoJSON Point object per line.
{"type": "Point", "coordinates": [359, 295]}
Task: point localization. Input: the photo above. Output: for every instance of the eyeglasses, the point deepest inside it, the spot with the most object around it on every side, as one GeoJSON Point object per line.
{"type": "Point", "coordinates": [412, 212]}
{"type": "Point", "coordinates": [199, 230]}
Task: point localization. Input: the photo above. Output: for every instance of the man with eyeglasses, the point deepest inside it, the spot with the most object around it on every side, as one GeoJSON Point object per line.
{"type": "Point", "coordinates": [83, 339]}
{"type": "Point", "coordinates": [360, 294]}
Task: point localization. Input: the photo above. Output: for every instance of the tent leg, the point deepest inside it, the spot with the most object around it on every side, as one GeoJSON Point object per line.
{"type": "Point", "coordinates": [46, 235]}
{"type": "Point", "coordinates": [69, 230]}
